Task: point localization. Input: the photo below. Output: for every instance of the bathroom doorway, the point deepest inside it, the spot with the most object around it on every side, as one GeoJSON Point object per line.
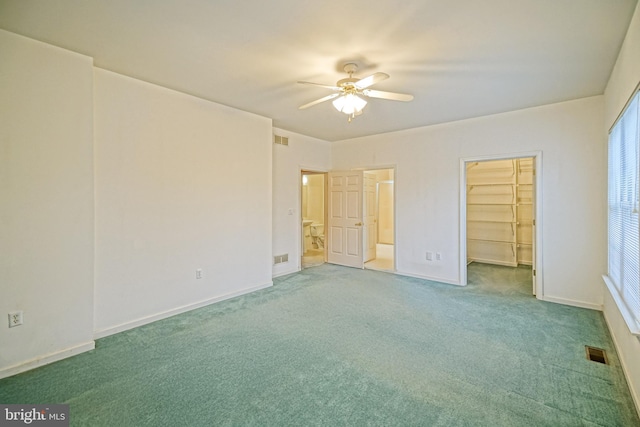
{"type": "Point", "coordinates": [379, 214]}
{"type": "Point", "coordinates": [313, 217]}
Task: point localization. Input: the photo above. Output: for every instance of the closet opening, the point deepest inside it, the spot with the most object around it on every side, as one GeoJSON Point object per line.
{"type": "Point", "coordinates": [499, 233]}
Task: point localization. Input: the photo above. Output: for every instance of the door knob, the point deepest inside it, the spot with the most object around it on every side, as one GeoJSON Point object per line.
{"type": "Point", "coordinates": [358, 223]}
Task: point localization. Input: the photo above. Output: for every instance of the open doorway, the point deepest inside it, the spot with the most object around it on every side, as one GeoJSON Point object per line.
{"type": "Point", "coordinates": [379, 217]}
{"type": "Point", "coordinates": [313, 212]}
{"type": "Point", "coordinates": [500, 217]}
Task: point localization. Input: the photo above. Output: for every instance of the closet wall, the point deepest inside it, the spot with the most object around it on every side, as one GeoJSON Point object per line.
{"type": "Point", "coordinates": [500, 211]}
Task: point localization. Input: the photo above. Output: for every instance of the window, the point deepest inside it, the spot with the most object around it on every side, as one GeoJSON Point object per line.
{"type": "Point", "coordinates": [624, 232]}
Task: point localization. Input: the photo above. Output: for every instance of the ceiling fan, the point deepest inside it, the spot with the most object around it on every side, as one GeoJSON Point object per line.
{"type": "Point", "coordinates": [346, 98]}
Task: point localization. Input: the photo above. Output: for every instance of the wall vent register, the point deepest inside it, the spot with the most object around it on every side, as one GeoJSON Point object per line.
{"type": "Point", "coordinates": [281, 140]}
{"type": "Point", "coordinates": [596, 354]}
{"type": "Point", "coordinates": [278, 259]}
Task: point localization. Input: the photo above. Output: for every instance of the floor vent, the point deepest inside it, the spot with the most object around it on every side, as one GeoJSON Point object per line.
{"type": "Point", "coordinates": [596, 354]}
{"type": "Point", "coordinates": [278, 259]}
{"type": "Point", "coordinates": [282, 140]}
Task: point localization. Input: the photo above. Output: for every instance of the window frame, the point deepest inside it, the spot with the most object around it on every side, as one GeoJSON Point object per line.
{"type": "Point", "coordinates": [628, 307]}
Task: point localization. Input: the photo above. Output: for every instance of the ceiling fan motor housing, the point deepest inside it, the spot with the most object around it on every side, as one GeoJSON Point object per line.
{"type": "Point", "coordinates": [349, 81]}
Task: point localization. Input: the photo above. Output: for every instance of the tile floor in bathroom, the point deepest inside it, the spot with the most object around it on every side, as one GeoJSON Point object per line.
{"type": "Point", "coordinates": [313, 257]}
{"type": "Point", "coordinates": [383, 260]}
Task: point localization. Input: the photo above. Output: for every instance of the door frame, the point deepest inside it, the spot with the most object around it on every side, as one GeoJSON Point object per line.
{"type": "Point", "coordinates": [299, 229]}
{"type": "Point", "coordinates": [538, 191]}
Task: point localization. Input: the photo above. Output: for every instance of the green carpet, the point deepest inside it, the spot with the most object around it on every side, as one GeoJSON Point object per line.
{"type": "Point", "coordinates": [336, 346]}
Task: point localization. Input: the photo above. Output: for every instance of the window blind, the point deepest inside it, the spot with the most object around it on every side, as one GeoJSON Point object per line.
{"type": "Point", "coordinates": [623, 201]}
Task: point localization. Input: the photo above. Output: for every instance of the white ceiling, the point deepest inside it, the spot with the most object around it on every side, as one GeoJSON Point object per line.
{"type": "Point", "coordinates": [459, 58]}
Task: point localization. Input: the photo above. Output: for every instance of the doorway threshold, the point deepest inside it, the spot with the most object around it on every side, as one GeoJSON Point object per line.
{"type": "Point", "coordinates": [383, 260]}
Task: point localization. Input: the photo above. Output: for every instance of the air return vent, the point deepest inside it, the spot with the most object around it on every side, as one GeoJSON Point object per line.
{"type": "Point", "coordinates": [282, 140]}
{"type": "Point", "coordinates": [596, 354]}
{"type": "Point", "coordinates": [278, 259]}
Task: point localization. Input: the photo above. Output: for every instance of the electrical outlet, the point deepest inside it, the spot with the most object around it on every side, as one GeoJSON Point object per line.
{"type": "Point", "coordinates": [15, 318]}
{"type": "Point", "coordinates": [199, 273]}
{"type": "Point", "coordinates": [438, 256]}
{"type": "Point", "coordinates": [429, 256]}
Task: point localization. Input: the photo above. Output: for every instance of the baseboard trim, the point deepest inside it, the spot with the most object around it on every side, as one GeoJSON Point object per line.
{"type": "Point", "coordinates": [431, 279]}
{"type": "Point", "coordinates": [634, 395]}
{"type": "Point", "coordinates": [564, 301]}
{"type": "Point", "coordinates": [46, 359]}
{"type": "Point", "coordinates": [175, 311]}
{"type": "Point", "coordinates": [285, 273]}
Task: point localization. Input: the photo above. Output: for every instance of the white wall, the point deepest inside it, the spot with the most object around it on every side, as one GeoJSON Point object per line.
{"type": "Point", "coordinates": [626, 72]}
{"type": "Point", "coordinates": [624, 78]}
{"type": "Point", "coordinates": [46, 194]}
{"type": "Point", "coordinates": [181, 184]}
{"type": "Point", "coordinates": [427, 160]}
{"type": "Point", "coordinates": [306, 153]}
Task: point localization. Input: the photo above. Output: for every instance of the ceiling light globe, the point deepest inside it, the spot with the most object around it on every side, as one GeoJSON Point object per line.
{"type": "Point", "coordinates": [349, 104]}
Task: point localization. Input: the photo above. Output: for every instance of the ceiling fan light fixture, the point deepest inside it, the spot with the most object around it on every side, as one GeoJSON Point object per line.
{"type": "Point", "coordinates": [349, 104]}
{"type": "Point", "coordinates": [345, 97]}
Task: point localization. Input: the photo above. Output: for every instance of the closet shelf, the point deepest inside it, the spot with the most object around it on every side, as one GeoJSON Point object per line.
{"type": "Point", "coordinates": [495, 190]}
{"type": "Point", "coordinates": [490, 204]}
{"type": "Point", "coordinates": [491, 184]}
{"type": "Point", "coordinates": [492, 169]}
{"type": "Point", "coordinates": [508, 242]}
{"type": "Point", "coordinates": [492, 221]}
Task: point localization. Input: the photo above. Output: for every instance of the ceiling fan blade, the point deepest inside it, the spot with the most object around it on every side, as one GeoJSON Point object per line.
{"type": "Point", "coordinates": [318, 101]}
{"type": "Point", "coordinates": [387, 95]}
{"type": "Point", "coordinates": [372, 79]}
{"type": "Point", "coordinates": [336, 88]}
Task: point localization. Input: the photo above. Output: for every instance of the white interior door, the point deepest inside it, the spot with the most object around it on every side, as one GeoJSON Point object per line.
{"type": "Point", "coordinates": [370, 227]}
{"type": "Point", "coordinates": [345, 219]}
